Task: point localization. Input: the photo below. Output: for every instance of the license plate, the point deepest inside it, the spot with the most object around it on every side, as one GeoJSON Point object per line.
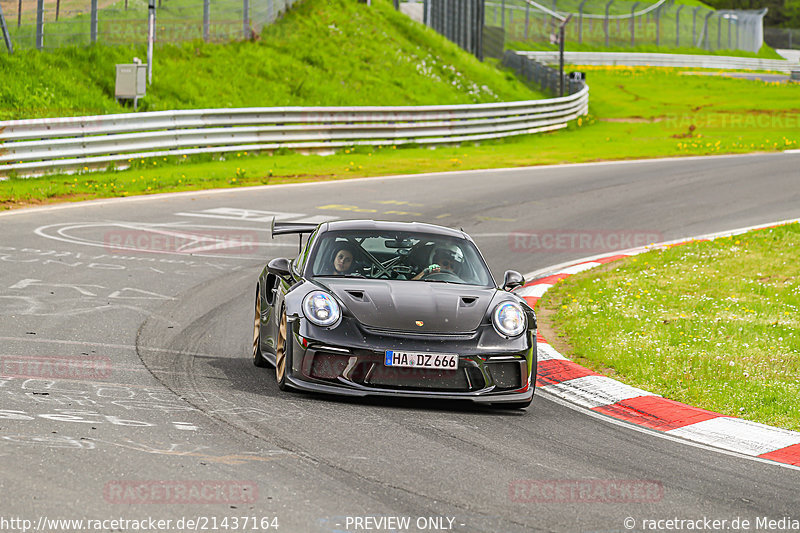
{"type": "Point", "coordinates": [438, 361]}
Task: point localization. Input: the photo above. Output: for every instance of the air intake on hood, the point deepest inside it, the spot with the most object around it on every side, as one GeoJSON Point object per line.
{"type": "Point", "coordinates": [467, 301]}
{"type": "Point", "coordinates": [356, 295]}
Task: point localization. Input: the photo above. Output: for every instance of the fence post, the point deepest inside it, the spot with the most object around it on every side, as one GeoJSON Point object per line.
{"type": "Point", "coordinates": [503, 14]}
{"type": "Point", "coordinates": [479, 25]}
{"type": "Point", "coordinates": [658, 25]}
{"type": "Point", "coordinates": [719, 31]}
{"type": "Point", "coordinates": [246, 19]}
{"type": "Point", "coordinates": [39, 24]}
{"type": "Point", "coordinates": [730, 19]}
{"type": "Point", "coordinates": [694, 25]}
{"type": "Point", "coordinates": [151, 37]}
{"type": "Point", "coordinates": [678, 26]}
{"type": "Point", "coordinates": [633, 23]}
{"type": "Point", "coordinates": [706, 39]}
{"type": "Point", "coordinates": [527, 19]}
{"type": "Point", "coordinates": [206, 19]}
{"type": "Point", "coordinates": [4, 28]}
{"type": "Point", "coordinates": [93, 30]}
{"type": "Point", "coordinates": [580, 22]}
{"type": "Point", "coordinates": [605, 21]}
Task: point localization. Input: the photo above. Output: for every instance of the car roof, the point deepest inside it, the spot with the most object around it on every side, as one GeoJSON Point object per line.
{"type": "Point", "coordinates": [379, 225]}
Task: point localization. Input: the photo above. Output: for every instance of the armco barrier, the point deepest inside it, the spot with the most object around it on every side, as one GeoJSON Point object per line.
{"type": "Point", "coordinates": [31, 147]}
{"type": "Point", "coordinates": [665, 60]}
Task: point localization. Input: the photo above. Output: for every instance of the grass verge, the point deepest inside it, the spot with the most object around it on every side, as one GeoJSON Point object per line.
{"type": "Point", "coordinates": [713, 324]}
{"type": "Point", "coordinates": [635, 113]}
{"type": "Point", "coordinates": [320, 53]}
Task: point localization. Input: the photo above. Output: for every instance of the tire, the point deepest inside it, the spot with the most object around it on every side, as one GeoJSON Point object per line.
{"type": "Point", "coordinates": [258, 357]}
{"type": "Point", "coordinates": [281, 359]}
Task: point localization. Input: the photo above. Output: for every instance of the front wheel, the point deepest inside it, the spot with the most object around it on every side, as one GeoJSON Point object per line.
{"type": "Point", "coordinates": [280, 355]}
{"type": "Point", "coordinates": [258, 357]}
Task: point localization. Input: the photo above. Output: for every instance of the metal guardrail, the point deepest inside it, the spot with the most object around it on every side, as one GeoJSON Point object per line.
{"type": "Point", "coordinates": [665, 60]}
{"type": "Point", "coordinates": [38, 146]}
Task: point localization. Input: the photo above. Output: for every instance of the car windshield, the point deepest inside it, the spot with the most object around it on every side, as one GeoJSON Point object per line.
{"type": "Point", "coordinates": [400, 256]}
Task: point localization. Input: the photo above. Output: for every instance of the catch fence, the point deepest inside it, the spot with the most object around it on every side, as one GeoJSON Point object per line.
{"type": "Point", "coordinates": [603, 23]}
{"type": "Point", "coordinates": [57, 23]}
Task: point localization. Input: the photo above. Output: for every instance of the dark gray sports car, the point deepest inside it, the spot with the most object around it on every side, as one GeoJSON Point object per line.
{"type": "Point", "coordinates": [393, 309]}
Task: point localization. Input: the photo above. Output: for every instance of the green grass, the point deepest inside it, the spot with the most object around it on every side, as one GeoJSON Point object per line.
{"type": "Point", "coordinates": [712, 324]}
{"type": "Point", "coordinates": [635, 113]}
{"type": "Point", "coordinates": [764, 53]}
{"type": "Point", "coordinates": [335, 52]}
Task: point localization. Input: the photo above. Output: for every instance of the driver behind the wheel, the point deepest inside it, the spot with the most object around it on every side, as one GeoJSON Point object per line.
{"type": "Point", "coordinates": [445, 258]}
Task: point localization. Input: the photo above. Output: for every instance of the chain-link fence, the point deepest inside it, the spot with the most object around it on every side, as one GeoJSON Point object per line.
{"type": "Point", "coordinates": [622, 23]}
{"type": "Point", "coordinates": [543, 77]}
{"type": "Point", "coordinates": [784, 38]}
{"type": "Point", "coordinates": [604, 23]}
{"type": "Point", "coordinates": [56, 23]}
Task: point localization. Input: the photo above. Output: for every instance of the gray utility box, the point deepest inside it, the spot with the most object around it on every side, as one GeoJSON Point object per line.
{"type": "Point", "coordinates": [131, 81]}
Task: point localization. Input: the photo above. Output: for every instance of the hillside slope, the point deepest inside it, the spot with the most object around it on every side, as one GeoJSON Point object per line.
{"type": "Point", "coordinates": [322, 52]}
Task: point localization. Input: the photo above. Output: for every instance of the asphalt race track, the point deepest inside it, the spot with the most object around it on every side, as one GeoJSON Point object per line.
{"type": "Point", "coordinates": [129, 390]}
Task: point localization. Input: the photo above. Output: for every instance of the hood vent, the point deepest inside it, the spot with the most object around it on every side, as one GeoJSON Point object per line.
{"type": "Point", "coordinates": [356, 295]}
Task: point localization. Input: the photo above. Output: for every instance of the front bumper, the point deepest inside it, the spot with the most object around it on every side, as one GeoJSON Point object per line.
{"type": "Point", "coordinates": [350, 362]}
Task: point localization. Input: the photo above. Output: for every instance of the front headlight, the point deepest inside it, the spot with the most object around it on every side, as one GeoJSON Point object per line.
{"type": "Point", "coordinates": [321, 309]}
{"type": "Point", "coordinates": [509, 319]}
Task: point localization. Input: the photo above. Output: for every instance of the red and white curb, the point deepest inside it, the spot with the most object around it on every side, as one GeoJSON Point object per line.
{"type": "Point", "coordinates": [582, 387]}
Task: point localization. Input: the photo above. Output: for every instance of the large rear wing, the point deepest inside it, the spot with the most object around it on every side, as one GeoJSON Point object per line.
{"type": "Point", "coordinates": [285, 228]}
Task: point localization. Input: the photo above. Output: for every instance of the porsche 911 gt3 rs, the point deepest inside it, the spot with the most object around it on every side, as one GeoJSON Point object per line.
{"type": "Point", "coordinates": [393, 309]}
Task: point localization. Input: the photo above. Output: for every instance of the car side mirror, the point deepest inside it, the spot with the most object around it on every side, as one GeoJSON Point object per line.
{"type": "Point", "coordinates": [281, 267]}
{"type": "Point", "coordinates": [512, 279]}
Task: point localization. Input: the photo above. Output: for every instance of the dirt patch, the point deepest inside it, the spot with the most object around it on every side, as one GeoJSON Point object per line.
{"type": "Point", "coordinates": [636, 97]}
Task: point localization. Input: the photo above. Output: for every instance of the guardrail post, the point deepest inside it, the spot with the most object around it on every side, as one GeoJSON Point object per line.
{"type": "Point", "coordinates": [605, 21]}
{"type": "Point", "coordinates": [93, 23]}
{"type": "Point", "coordinates": [678, 26]}
{"type": "Point", "coordinates": [633, 23]}
{"type": "Point", "coordinates": [4, 28]}
{"type": "Point", "coordinates": [580, 21]}
{"type": "Point", "coordinates": [206, 19]}
{"type": "Point", "coordinates": [39, 24]}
